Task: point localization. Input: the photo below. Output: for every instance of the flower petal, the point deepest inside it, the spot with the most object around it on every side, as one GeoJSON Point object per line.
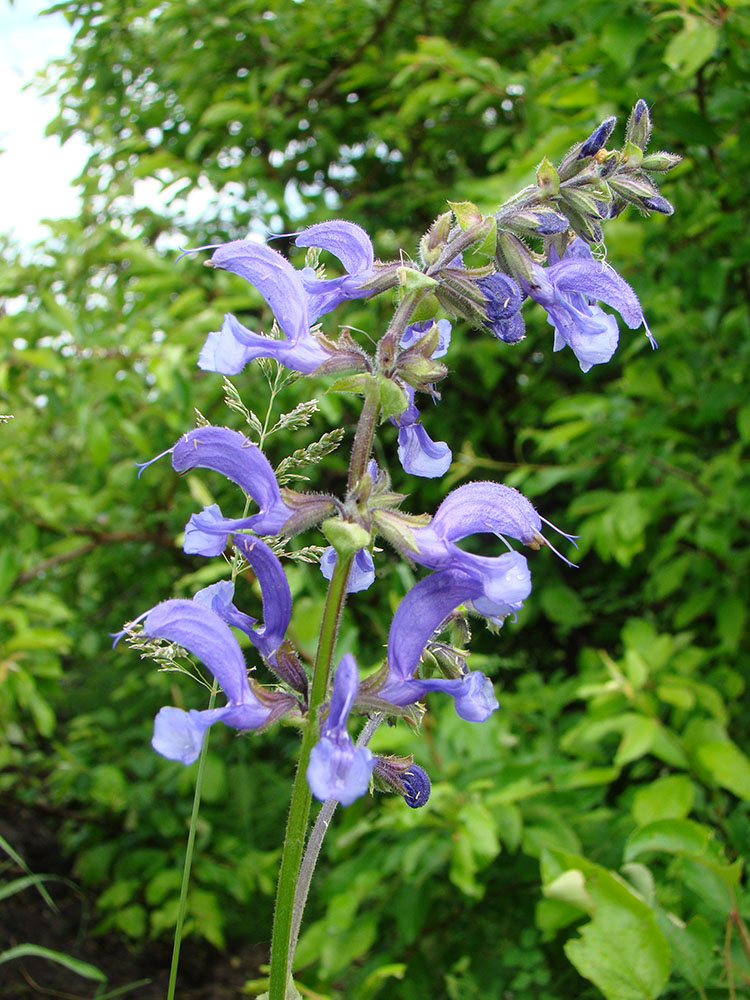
{"type": "Point", "coordinates": [275, 594]}
{"type": "Point", "coordinates": [345, 240]}
{"type": "Point", "coordinates": [483, 507]}
{"type": "Point", "coordinates": [417, 618]}
{"type": "Point", "coordinates": [420, 455]}
{"type": "Point", "coordinates": [237, 458]}
{"type": "Point", "coordinates": [229, 350]}
{"type": "Point", "coordinates": [339, 771]}
{"type": "Point", "coordinates": [274, 277]}
{"type": "Point", "coordinates": [207, 637]}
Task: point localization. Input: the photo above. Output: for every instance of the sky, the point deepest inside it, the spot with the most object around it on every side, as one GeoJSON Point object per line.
{"type": "Point", "coordinates": [36, 173]}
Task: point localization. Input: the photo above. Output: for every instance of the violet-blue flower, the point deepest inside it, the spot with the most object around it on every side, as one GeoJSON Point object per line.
{"type": "Point", "coordinates": [479, 508]}
{"type": "Point", "coordinates": [569, 290]}
{"type": "Point", "coordinates": [237, 458]}
{"type": "Point", "coordinates": [353, 247]}
{"type": "Point", "coordinates": [275, 595]}
{"type": "Point", "coordinates": [178, 735]}
{"type": "Point", "coordinates": [231, 348]}
{"type": "Point", "coordinates": [418, 454]}
{"type": "Point", "coordinates": [418, 616]}
{"type": "Point", "coordinates": [338, 769]}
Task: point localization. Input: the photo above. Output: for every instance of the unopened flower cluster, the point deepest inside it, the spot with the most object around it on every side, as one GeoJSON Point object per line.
{"type": "Point", "coordinates": [544, 245]}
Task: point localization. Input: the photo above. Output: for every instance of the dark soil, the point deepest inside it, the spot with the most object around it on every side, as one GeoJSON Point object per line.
{"type": "Point", "coordinates": [25, 917]}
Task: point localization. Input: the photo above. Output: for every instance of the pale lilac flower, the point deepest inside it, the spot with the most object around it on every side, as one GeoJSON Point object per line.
{"type": "Point", "coordinates": [338, 769]}
{"type": "Point", "coordinates": [361, 575]}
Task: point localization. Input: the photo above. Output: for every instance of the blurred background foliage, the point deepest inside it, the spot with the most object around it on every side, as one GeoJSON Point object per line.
{"type": "Point", "coordinates": [588, 840]}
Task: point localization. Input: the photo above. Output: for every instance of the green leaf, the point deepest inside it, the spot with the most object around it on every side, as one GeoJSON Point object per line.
{"type": "Point", "coordinates": [692, 46]}
{"type": "Point", "coordinates": [638, 739]}
{"type": "Point", "coordinates": [665, 798]}
{"type": "Point", "coordinates": [392, 398]}
{"type": "Point", "coordinates": [675, 836]}
{"type": "Point", "coordinates": [82, 969]}
{"type": "Point", "coordinates": [727, 765]}
{"type": "Point", "coordinates": [693, 948]}
{"type": "Point", "coordinates": [621, 950]}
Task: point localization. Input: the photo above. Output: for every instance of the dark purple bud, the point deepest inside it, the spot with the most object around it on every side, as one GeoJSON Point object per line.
{"type": "Point", "coordinates": [417, 786]}
{"type": "Point", "coordinates": [658, 204]}
{"type": "Point", "coordinates": [403, 776]}
{"type": "Point", "coordinates": [597, 138]}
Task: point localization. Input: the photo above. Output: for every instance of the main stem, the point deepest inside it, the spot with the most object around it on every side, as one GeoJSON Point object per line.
{"type": "Point", "coordinates": [299, 808]}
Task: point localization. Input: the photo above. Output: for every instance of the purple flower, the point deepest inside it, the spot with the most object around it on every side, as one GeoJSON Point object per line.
{"type": "Point", "coordinates": [477, 508]}
{"type": "Point", "coordinates": [417, 618]}
{"type": "Point", "coordinates": [237, 458]}
{"type": "Point", "coordinates": [353, 247]}
{"type": "Point", "coordinates": [361, 575]}
{"type": "Point", "coordinates": [418, 454]}
{"type": "Point", "coordinates": [275, 595]}
{"type": "Point", "coordinates": [229, 349]}
{"type": "Point", "coordinates": [569, 289]}
{"type": "Point", "coordinates": [504, 299]}
{"type": "Point", "coordinates": [178, 735]}
{"type": "Point", "coordinates": [491, 586]}
{"type": "Point", "coordinates": [338, 769]}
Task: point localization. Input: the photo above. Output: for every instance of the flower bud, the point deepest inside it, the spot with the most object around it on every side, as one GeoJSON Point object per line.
{"type": "Point", "coordinates": [403, 776]}
{"type": "Point", "coordinates": [345, 536]}
{"type": "Point", "coordinates": [435, 238]}
{"type": "Point", "coordinates": [309, 510]}
{"type": "Point", "coordinates": [547, 177]}
{"type": "Point", "coordinates": [514, 258]}
{"type": "Point", "coordinates": [286, 664]}
{"type": "Point", "coordinates": [638, 130]}
{"type": "Point", "coordinates": [660, 162]}
{"type": "Point", "coordinates": [598, 137]}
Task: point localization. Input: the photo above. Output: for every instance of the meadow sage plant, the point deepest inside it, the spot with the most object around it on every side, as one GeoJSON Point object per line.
{"type": "Point", "coordinates": [544, 245]}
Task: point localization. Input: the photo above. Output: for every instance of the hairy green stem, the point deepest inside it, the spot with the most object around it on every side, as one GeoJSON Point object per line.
{"type": "Point", "coordinates": [299, 808]}
{"type": "Point", "coordinates": [182, 907]}
{"type": "Point", "coordinates": [389, 344]}
{"type": "Point", "coordinates": [362, 447]}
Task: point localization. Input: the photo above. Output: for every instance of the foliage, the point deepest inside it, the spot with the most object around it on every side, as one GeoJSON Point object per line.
{"type": "Point", "coordinates": [610, 792]}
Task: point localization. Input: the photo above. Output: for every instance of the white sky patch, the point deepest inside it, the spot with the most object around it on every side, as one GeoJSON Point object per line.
{"type": "Point", "coordinates": [36, 173]}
